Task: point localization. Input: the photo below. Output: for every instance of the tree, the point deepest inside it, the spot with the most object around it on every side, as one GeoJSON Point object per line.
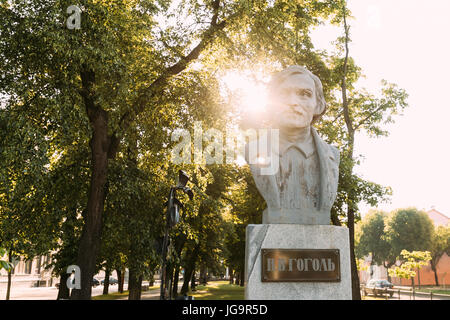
{"type": "Point", "coordinates": [407, 229]}
{"type": "Point", "coordinates": [115, 67]}
{"type": "Point", "coordinates": [26, 227]}
{"type": "Point", "coordinates": [439, 246]}
{"type": "Point", "coordinates": [411, 261]}
{"type": "Point", "coordinates": [245, 208]}
{"type": "Point", "coordinates": [357, 111]}
{"type": "Point", "coordinates": [204, 228]}
{"type": "Point", "coordinates": [371, 238]}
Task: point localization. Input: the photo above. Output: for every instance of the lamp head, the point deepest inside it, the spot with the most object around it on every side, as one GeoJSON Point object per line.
{"type": "Point", "coordinates": [183, 179]}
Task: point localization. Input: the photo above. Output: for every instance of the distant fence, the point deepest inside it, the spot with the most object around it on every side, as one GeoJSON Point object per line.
{"type": "Point", "coordinates": [411, 293]}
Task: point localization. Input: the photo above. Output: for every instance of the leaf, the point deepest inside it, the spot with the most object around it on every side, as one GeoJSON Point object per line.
{"type": "Point", "coordinates": [5, 265]}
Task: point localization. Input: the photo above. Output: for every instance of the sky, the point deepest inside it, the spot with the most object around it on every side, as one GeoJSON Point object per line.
{"type": "Point", "coordinates": [405, 42]}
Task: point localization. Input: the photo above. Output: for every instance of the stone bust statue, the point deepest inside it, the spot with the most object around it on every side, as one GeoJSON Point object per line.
{"type": "Point", "coordinates": [303, 188]}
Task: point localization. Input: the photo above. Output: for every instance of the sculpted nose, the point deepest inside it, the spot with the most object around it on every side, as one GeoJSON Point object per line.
{"type": "Point", "coordinates": [292, 101]}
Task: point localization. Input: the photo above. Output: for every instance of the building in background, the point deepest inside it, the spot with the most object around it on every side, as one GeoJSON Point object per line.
{"type": "Point", "coordinates": [32, 273]}
{"type": "Point", "coordinates": [29, 273]}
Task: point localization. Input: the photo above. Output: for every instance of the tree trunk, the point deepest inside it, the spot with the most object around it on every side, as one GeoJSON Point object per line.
{"type": "Point", "coordinates": [193, 284]}
{"type": "Point", "coordinates": [418, 277]}
{"type": "Point", "coordinates": [106, 281]}
{"type": "Point", "coordinates": [175, 282]}
{"type": "Point", "coordinates": [433, 267]}
{"type": "Point", "coordinates": [120, 280]}
{"type": "Point", "coordinates": [189, 270]}
{"type": "Point", "coordinates": [241, 278]}
{"type": "Point", "coordinates": [356, 290]}
{"type": "Point", "coordinates": [8, 287]}
{"type": "Point", "coordinates": [91, 235]}
{"type": "Point", "coordinates": [63, 291]}
{"type": "Point", "coordinates": [356, 293]}
{"type": "Point", "coordinates": [231, 276]}
{"type": "Point", "coordinates": [151, 280]}
{"type": "Point", "coordinates": [203, 278]}
{"type": "Point", "coordinates": [179, 244]}
{"type": "Point", "coordinates": [168, 280]}
{"type": "Point", "coordinates": [387, 266]}
{"type": "Point", "coordinates": [134, 285]}
{"type": "Point", "coordinates": [187, 277]}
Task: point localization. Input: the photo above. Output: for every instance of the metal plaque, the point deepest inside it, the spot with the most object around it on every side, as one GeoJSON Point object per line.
{"type": "Point", "coordinates": [300, 265]}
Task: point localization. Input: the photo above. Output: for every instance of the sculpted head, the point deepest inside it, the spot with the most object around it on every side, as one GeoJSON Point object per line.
{"type": "Point", "coordinates": [295, 98]}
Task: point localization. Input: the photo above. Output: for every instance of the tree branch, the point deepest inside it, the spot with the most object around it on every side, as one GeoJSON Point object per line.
{"type": "Point", "coordinates": [156, 86]}
{"type": "Point", "coordinates": [345, 107]}
{"type": "Point", "coordinates": [363, 121]}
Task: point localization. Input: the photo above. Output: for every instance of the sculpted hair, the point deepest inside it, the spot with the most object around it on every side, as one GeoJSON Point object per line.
{"type": "Point", "coordinates": [281, 76]}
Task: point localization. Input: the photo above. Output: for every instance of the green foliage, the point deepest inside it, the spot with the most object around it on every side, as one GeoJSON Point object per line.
{"type": "Point", "coordinates": [367, 114]}
{"type": "Point", "coordinates": [371, 237]}
{"type": "Point", "coordinates": [131, 222]}
{"type": "Point", "coordinates": [409, 229]}
{"type": "Point", "coordinates": [386, 235]}
{"type": "Point", "coordinates": [360, 265]}
{"type": "Point", "coordinates": [245, 208]}
{"type": "Point", "coordinates": [440, 244]}
{"type": "Point", "coordinates": [3, 263]}
{"type": "Point", "coordinates": [411, 261]}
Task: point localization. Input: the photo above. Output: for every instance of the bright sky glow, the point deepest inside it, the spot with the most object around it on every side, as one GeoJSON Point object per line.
{"type": "Point", "coordinates": [405, 42]}
{"type": "Point", "coordinates": [253, 95]}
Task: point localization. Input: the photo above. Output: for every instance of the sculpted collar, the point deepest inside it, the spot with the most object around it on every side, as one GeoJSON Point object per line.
{"type": "Point", "coordinates": [285, 145]}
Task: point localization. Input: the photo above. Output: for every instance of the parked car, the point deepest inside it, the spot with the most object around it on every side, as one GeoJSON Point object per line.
{"type": "Point", "coordinates": [95, 282]}
{"type": "Point", "coordinates": [112, 281]}
{"type": "Point", "coordinates": [378, 287]}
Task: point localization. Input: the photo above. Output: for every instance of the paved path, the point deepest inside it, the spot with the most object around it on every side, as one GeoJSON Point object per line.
{"type": "Point", "coordinates": [43, 293]}
{"type": "Point", "coordinates": [50, 293]}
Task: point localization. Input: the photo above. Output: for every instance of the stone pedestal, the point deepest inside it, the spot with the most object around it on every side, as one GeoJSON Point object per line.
{"type": "Point", "coordinates": [292, 236]}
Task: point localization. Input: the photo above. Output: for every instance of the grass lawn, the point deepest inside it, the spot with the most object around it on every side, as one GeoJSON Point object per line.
{"type": "Point", "coordinates": [218, 290]}
{"type": "Point", "coordinates": [438, 290]}
{"type": "Point", "coordinates": [117, 295]}
{"type": "Point", "coordinates": [111, 296]}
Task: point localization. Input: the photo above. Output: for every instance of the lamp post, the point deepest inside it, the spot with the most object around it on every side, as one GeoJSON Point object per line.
{"type": "Point", "coordinates": [172, 218]}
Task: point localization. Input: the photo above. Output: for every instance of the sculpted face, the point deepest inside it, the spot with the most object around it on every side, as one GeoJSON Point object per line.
{"type": "Point", "coordinates": [295, 102]}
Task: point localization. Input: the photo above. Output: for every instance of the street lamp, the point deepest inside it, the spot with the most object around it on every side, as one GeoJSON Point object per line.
{"type": "Point", "coordinates": [172, 218]}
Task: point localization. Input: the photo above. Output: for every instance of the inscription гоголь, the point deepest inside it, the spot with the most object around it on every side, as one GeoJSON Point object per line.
{"type": "Point", "coordinates": [297, 265]}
